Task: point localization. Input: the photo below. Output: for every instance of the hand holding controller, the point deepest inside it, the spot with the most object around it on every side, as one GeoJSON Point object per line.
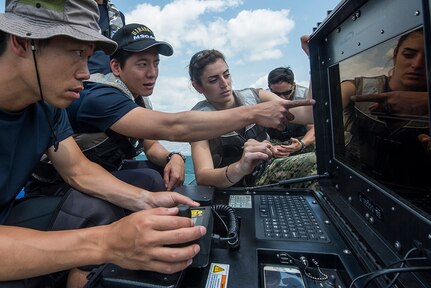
{"type": "Point", "coordinates": [200, 216]}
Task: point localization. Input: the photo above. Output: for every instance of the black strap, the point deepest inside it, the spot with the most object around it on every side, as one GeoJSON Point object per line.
{"type": "Point", "coordinates": [94, 276]}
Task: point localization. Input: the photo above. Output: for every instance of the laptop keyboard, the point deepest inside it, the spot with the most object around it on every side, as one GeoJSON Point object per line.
{"type": "Point", "coordinates": [286, 217]}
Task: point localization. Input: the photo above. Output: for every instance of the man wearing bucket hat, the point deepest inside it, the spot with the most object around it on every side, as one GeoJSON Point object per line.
{"type": "Point", "coordinates": [44, 47]}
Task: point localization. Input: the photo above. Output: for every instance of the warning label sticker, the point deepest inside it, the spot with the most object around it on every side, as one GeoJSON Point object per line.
{"type": "Point", "coordinates": [217, 276]}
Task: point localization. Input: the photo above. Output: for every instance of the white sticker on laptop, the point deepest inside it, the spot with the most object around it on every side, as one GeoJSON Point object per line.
{"type": "Point", "coordinates": [217, 276]}
{"type": "Point", "coordinates": [240, 201]}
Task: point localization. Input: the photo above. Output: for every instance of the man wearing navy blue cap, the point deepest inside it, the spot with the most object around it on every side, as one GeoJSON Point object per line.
{"type": "Point", "coordinates": [106, 102]}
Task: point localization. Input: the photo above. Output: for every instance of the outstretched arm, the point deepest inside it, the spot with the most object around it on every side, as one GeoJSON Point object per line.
{"type": "Point", "coordinates": [194, 126]}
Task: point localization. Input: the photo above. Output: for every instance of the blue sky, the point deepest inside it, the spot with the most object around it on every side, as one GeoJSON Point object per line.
{"type": "Point", "coordinates": [255, 36]}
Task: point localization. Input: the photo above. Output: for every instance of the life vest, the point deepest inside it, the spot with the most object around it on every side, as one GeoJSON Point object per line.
{"type": "Point", "coordinates": [228, 148]}
{"type": "Point", "coordinates": [106, 149]}
{"type": "Point", "coordinates": [110, 149]}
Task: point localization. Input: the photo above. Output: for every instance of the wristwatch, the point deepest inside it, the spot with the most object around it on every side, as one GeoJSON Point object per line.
{"type": "Point", "coordinates": [168, 158]}
{"type": "Point", "coordinates": [302, 146]}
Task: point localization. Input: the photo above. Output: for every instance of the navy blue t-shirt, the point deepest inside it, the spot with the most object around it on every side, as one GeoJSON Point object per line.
{"type": "Point", "coordinates": [24, 138]}
{"type": "Point", "coordinates": [98, 108]}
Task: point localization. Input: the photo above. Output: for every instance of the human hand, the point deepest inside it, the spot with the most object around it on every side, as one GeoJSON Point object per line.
{"type": "Point", "coordinates": [279, 151]}
{"type": "Point", "coordinates": [284, 149]}
{"type": "Point", "coordinates": [140, 241]}
{"type": "Point", "coordinates": [165, 199]}
{"type": "Point", "coordinates": [294, 146]}
{"type": "Point", "coordinates": [396, 102]}
{"type": "Point", "coordinates": [254, 152]}
{"type": "Point", "coordinates": [173, 174]}
{"type": "Point", "coordinates": [275, 114]}
{"type": "Point", "coordinates": [304, 44]}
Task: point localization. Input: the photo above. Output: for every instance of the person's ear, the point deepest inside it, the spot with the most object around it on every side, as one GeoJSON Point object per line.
{"type": "Point", "coordinates": [115, 67]}
{"type": "Point", "coordinates": [20, 46]}
{"type": "Point", "coordinates": [197, 87]}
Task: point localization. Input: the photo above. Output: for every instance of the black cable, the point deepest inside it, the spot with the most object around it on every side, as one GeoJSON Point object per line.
{"type": "Point", "coordinates": [232, 227]}
{"type": "Point", "coordinates": [405, 259]}
{"type": "Point", "coordinates": [290, 181]}
{"type": "Point", "coordinates": [221, 219]}
{"type": "Point", "coordinates": [374, 272]}
{"type": "Point", "coordinates": [45, 108]}
{"type": "Point", "coordinates": [401, 266]}
{"type": "Point", "coordinates": [395, 270]}
{"type": "Point", "coordinates": [94, 276]}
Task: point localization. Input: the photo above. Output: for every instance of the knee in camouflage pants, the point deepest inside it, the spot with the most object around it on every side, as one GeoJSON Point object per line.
{"type": "Point", "coordinates": [300, 165]}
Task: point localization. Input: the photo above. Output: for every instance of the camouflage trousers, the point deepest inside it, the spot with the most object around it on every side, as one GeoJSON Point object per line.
{"type": "Point", "coordinates": [295, 166]}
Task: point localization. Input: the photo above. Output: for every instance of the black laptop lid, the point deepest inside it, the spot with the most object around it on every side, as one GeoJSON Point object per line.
{"type": "Point", "coordinates": [379, 168]}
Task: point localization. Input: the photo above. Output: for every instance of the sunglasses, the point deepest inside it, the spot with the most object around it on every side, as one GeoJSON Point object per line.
{"type": "Point", "coordinates": [284, 94]}
{"type": "Point", "coordinates": [199, 56]}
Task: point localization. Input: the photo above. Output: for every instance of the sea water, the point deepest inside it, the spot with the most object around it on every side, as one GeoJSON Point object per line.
{"type": "Point", "coordinates": [184, 148]}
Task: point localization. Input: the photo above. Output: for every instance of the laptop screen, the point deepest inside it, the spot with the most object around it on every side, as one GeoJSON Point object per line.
{"type": "Point", "coordinates": [381, 102]}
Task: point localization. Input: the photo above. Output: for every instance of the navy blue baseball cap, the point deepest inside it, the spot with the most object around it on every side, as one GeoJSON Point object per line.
{"type": "Point", "coordinates": [138, 37]}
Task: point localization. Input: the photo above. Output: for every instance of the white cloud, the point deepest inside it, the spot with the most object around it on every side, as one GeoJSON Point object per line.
{"type": "Point", "coordinates": [259, 34]}
{"type": "Point", "coordinates": [179, 20]}
{"type": "Point", "coordinates": [174, 94]}
{"type": "Point", "coordinates": [252, 35]}
{"type": "Point", "coordinates": [262, 82]}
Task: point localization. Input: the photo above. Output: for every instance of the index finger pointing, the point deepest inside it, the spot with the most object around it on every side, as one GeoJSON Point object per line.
{"type": "Point", "coordinates": [296, 103]}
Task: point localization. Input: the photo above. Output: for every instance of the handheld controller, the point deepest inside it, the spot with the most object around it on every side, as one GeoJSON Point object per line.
{"type": "Point", "coordinates": [201, 216]}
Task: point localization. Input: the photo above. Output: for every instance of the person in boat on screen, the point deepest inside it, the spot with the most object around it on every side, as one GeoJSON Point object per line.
{"type": "Point", "coordinates": [237, 158]}
{"type": "Point", "coordinates": [44, 49]}
{"type": "Point", "coordinates": [384, 117]}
